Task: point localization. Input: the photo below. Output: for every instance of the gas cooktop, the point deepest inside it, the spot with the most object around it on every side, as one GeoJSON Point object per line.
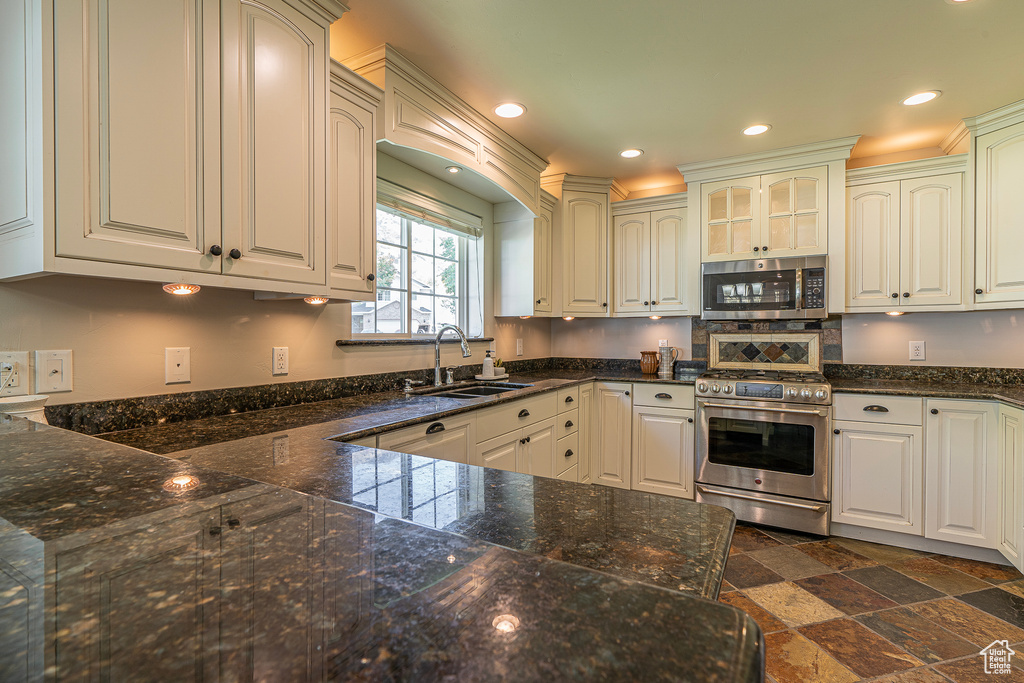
{"type": "Point", "coordinates": [765, 385]}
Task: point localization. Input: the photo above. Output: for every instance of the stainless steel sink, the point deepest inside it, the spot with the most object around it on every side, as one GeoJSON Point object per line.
{"type": "Point", "coordinates": [471, 390]}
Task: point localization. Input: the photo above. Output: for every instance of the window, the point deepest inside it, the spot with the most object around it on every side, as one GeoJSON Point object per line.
{"type": "Point", "coordinates": [428, 273]}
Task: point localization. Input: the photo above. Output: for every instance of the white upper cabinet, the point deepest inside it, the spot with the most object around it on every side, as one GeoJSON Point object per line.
{"type": "Point", "coordinates": [543, 227]}
{"type": "Point", "coordinates": [730, 219]}
{"type": "Point", "coordinates": [188, 141]}
{"type": "Point", "coordinates": [905, 237]}
{"type": "Point", "coordinates": [351, 223]}
{"type": "Point", "coordinates": [584, 253]}
{"type": "Point", "coordinates": [524, 282]}
{"type": "Point", "coordinates": [999, 207]}
{"type": "Point", "coordinates": [649, 251]}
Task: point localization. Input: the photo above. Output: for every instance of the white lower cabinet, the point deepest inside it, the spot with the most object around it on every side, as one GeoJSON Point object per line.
{"type": "Point", "coordinates": [449, 439]}
{"type": "Point", "coordinates": [530, 450]}
{"type": "Point", "coordinates": [877, 475]}
{"type": "Point", "coordinates": [499, 453]}
{"type": "Point", "coordinates": [585, 452]}
{"type": "Point", "coordinates": [1011, 484]}
{"type": "Point", "coordinates": [663, 446]}
{"type": "Point", "coordinates": [961, 472]}
{"type": "Point", "coordinates": [612, 434]}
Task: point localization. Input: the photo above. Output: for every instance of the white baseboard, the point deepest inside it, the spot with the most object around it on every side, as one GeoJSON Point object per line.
{"type": "Point", "coordinates": [921, 543]}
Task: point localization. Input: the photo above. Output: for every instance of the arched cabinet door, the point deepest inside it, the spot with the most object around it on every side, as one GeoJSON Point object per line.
{"type": "Point", "coordinates": [999, 206]}
{"type": "Point", "coordinates": [274, 66]}
{"type": "Point", "coordinates": [873, 245]}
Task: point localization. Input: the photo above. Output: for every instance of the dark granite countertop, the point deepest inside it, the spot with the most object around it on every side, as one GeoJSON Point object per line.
{"type": "Point", "coordinates": [1011, 394]}
{"type": "Point", "coordinates": [109, 575]}
{"type": "Point", "coordinates": [357, 416]}
{"type": "Point", "coordinates": [669, 542]}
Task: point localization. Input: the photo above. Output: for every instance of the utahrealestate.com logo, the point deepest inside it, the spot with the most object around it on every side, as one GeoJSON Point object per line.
{"type": "Point", "coordinates": [997, 657]}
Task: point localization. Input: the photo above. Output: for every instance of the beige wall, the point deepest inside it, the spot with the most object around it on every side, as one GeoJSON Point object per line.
{"type": "Point", "coordinates": [617, 337]}
{"type": "Point", "coordinates": [972, 339]}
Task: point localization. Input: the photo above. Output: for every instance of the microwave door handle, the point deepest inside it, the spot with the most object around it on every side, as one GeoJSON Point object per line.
{"type": "Point", "coordinates": [799, 289]}
{"type": "Point", "coordinates": [763, 410]}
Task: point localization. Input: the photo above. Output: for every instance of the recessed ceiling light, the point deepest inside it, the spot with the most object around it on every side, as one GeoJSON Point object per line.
{"type": "Point", "coordinates": [509, 110]}
{"type": "Point", "coordinates": [569, 317]}
{"type": "Point", "coordinates": [894, 313]}
{"type": "Point", "coordinates": [757, 130]}
{"type": "Point", "coordinates": [453, 169]}
{"type": "Point", "coordinates": [631, 153]}
{"type": "Point", "coordinates": [921, 97]}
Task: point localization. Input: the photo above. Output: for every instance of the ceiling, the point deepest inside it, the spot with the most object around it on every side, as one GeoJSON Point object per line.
{"type": "Point", "coordinates": [680, 79]}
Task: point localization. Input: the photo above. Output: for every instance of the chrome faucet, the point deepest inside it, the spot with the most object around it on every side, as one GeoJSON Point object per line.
{"type": "Point", "coordinates": [437, 349]}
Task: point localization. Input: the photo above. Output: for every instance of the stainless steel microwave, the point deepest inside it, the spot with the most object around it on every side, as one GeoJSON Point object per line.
{"type": "Point", "coordinates": [764, 289]}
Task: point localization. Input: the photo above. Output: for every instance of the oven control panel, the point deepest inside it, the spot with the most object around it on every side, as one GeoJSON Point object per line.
{"type": "Point", "coordinates": [759, 390]}
{"type": "Point", "coordinates": [789, 392]}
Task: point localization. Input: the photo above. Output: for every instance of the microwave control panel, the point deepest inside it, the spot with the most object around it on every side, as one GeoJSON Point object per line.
{"type": "Point", "coordinates": [814, 288]}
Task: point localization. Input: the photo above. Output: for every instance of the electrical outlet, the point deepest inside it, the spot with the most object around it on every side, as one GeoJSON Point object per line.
{"type": "Point", "coordinates": [14, 367]}
{"type": "Point", "coordinates": [53, 371]}
{"type": "Point", "coordinates": [662, 342]}
{"type": "Point", "coordinates": [177, 365]}
{"type": "Point", "coordinates": [519, 347]}
{"type": "Point", "coordinates": [917, 350]}
{"type": "Point", "coordinates": [280, 360]}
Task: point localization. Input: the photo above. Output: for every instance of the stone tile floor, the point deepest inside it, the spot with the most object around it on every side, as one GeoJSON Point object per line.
{"type": "Point", "coordinates": [838, 610]}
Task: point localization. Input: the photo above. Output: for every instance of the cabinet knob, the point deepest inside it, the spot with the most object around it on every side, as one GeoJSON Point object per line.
{"type": "Point", "coordinates": [527, 439]}
{"type": "Point", "coordinates": [233, 523]}
{"type": "Point", "coordinates": [654, 303]}
{"type": "Point", "coordinates": [627, 393]}
{"type": "Point", "coordinates": [215, 531]}
{"type": "Point", "coordinates": [764, 248]}
{"type": "Point", "coordinates": [568, 453]}
{"type": "Point", "coordinates": [835, 431]}
{"type": "Point", "coordinates": [906, 294]}
{"type": "Point", "coordinates": [690, 420]}
{"type": "Point", "coordinates": [235, 254]}
{"type": "Point", "coordinates": [647, 303]}
{"type": "Point", "coordinates": [538, 301]}
{"type": "Point", "coordinates": [895, 295]}
{"type": "Point", "coordinates": [524, 413]}
{"type": "Point", "coordinates": [371, 277]}
{"type": "Point", "coordinates": [604, 305]}
{"type": "Point", "coordinates": [568, 424]}
{"type": "Point", "coordinates": [522, 440]}
{"type": "Point", "coordinates": [934, 411]}
{"type": "Point", "coordinates": [216, 250]}
{"type": "Point", "coordinates": [979, 291]}
{"type": "Point", "coordinates": [757, 249]}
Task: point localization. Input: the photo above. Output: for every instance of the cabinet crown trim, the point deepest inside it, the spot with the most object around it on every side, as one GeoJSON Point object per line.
{"type": "Point", "coordinates": [660, 203]}
{"type": "Point", "coordinates": [955, 137]}
{"type": "Point", "coordinates": [956, 163]}
{"type": "Point", "coordinates": [575, 183]}
{"type": "Point", "coordinates": [342, 75]}
{"type": "Point", "coordinates": [800, 156]}
{"type": "Point", "coordinates": [996, 119]}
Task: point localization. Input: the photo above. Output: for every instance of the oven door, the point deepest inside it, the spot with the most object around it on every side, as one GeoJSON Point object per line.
{"type": "Point", "coordinates": [762, 446]}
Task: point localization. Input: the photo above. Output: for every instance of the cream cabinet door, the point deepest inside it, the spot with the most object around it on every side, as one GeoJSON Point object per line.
{"type": "Point", "coordinates": [999, 205]}
{"type": "Point", "coordinates": [873, 249]}
{"type": "Point", "coordinates": [668, 261]}
{"type": "Point", "coordinates": [794, 219]}
{"type": "Point", "coordinates": [584, 253]}
{"type": "Point", "coordinates": [586, 433]}
{"type": "Point", "coordinates": [451, 439]}
{"type": "Point", "coordinates": [1011, 484]}
{"type": "Point", "coordinates": [274, 62]}
{"type": "Point", "coordinates": [612, 434]}
{"type": "Point", "coordinates": [352, 223]}
{"type": "Point", "coordinates": [537, 452]}
{"type": "Point", "coordinates": [961, 467]}
{"type": "Point", "coordinates": [878, 476]}
{"type": "Point", "coordinates": [931, 240]}
{"type": "Point", "coordinates": [499, 453]}
{"type": "Point", "coordinates": [542, 232]}
{"type": "Point", "coordinates": [631, 259]}
{"type": "Point", "coordinates": [138, 132]}
{"type": "Point", "coordinates": [730, 219]}
{"type": "Point", "coordinates": [663, 448]}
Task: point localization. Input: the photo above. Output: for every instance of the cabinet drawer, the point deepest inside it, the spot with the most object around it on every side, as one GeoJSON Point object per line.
{"type": "Point", "coordinates": [663, 395]}
{"type": "Point", "coordinates": [568, 398]}
{"type": "Point", "coordinates": [500, 419]}
{"type": "Point", "coordinates": [568, 423]}
{"type": "Point", "coordinates": [567, 452]}
{"type": "Point", "coordinates": [901, 410]}
{"type": "Point", "coordinates": [570, 474]}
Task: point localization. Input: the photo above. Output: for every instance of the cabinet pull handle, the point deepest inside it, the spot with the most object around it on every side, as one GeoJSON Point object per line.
{"type": "Point", "coordinates": [979, 291]}
{"type": "Point", "coordinates": [568, 453]}
{"type": "Point", "coordinates": [435, 428]}
{"type": "Point", "coordinates": [215, 531]}
{"type": "Point", "coordinates": [875, 409]}
{"type": "Point", "coordinates": [235, 254]}
{"type": "Point", "coordinates": [233, 523]}
{"type": "Point", "coordinates": [935, 411]}
{"type": "Point", "coordinates": [216, 250]}
{"type": "Point", "coordinates": [835, 431]}
{"type": "Point", "coordinates": [568, 399]}
{"type": "Point", "coordinates": [371, 277]}
{"type": "Point", "coordinates": [568, 423]}
{"type": "Point", "coordinates": [524, 413]}
{"type": "Point", "coordinates": [663, 395]}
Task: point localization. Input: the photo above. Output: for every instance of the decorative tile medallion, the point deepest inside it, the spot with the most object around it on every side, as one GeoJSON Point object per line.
{"type": "Point", "coordinates": [789, 350]}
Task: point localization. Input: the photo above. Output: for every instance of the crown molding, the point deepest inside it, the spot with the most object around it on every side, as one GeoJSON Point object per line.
{"type": "Point", "coordinates": [954, 163]}
{"type": "Point", "coordinates": [771, 161]}
{"type": "Point", "coordinates": [953, 139]}
{"type": "Point", "coordinates": [659, 203]}
{"type": "Point", "coordinates": [996, 119]}
{"type": "Point", "coordinates": [344, 76]}
{"type": "Point", "coordinates": [618, 191]}
{"type": "Point", "coordinates": [577, 183]}
{"type": "Point", "coordinates": [330, 10]}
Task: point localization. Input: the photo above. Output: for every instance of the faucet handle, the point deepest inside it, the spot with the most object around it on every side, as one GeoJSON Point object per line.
{"type": "Point", "coordinates": [449, 377]}
{"type": "Point", "coordinates": [410, 383]}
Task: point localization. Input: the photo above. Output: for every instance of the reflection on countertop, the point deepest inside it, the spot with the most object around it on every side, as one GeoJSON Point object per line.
{"type": "Point", "coordinates": [112, 570]}
{"type": "Point", "coordinates": [669, 542]}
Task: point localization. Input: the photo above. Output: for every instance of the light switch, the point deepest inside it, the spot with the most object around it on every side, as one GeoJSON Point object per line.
{"type": "Point", "coordinates": [177, 365]}
{"type": "Point", "coordinates": [53, 371]}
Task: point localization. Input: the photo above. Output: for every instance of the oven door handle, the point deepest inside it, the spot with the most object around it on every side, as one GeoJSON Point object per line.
{"type": "Point", "coordinates": [773, 501]}
{"type": "Point", "coordinates": [763, 409]}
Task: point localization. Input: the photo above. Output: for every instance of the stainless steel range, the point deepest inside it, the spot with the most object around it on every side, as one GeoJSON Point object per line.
{"type": "Point", "coordinates": [763, 446]}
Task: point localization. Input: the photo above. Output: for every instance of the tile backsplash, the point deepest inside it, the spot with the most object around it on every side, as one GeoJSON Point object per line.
{"type": "Point", "coordinates": [775, 341]}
